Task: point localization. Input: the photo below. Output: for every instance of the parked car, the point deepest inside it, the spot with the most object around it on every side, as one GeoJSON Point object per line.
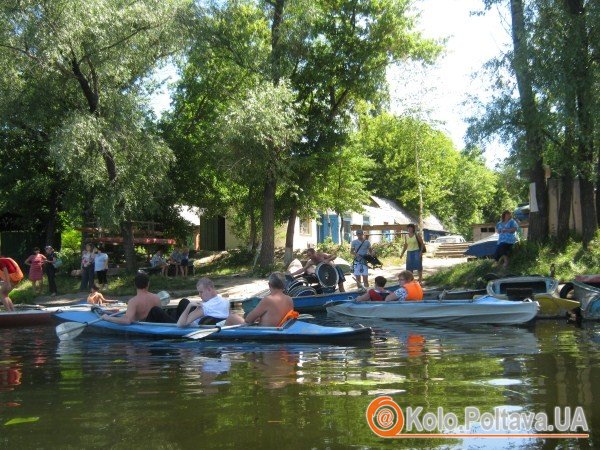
{"type": "Point", "coordinates": [450, 239]}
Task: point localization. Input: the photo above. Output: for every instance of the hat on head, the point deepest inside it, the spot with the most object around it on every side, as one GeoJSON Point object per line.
{"type": "Point", "coordinates": [359, 232]}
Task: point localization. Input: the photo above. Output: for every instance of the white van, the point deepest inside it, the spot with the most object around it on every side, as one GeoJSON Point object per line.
{"type": "Point", "coordinates": [450, 239]}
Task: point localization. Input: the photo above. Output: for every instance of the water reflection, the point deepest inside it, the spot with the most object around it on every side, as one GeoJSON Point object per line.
{"type": "Point", "coordinates": [105, 392]}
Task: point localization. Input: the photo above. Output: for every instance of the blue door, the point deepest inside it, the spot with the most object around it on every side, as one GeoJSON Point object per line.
{"type": "Point", "coordinates": [324, 231]}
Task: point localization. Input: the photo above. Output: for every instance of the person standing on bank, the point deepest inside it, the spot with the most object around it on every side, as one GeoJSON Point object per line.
{"type": "Point", "coordinates": [87, 268]}
{"type": "Point", "coordinates": [507, 237]}
{"type": "Point", "coordinates": [414, 249]}
{"type": "Point", "coordinates": [50, 269]}
{"type": "Point", "coordinates": [101, 267]}
{"type": "Point", "coordinates": [360, 247]}
{"type": "Point", "coordinates": [36, 272]}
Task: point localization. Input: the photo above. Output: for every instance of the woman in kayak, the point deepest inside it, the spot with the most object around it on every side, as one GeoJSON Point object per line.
{"type": "Point", "coordinates": [272, 310]}
{"type": "Point", "coordinates": [409, 290]}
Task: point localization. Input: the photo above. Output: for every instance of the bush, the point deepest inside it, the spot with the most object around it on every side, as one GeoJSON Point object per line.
{"type": "Point", "coordinates": [71, 259]}
{"type": "Point", "coordinates": [342, 251]}
{"type": "Point", "coordinates": [385, 249]}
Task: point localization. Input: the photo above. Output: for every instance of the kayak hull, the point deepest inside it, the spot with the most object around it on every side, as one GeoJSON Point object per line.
{"type": "Point", "coordinates": [484, 310]}
{"type": "Point", "coordinates": [36, 315]}
{"type": "Point", "coordinates": [291, 331]}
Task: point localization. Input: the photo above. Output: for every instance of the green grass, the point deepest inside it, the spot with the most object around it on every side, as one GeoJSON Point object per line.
{"type": "Point", "coordinates": [569, 260]}
{"type": "Point", "coordinates": [122, 284]}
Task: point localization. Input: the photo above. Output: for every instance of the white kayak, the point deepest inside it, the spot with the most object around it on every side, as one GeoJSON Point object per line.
{"type": "Point", "coordinates": [483, 310]}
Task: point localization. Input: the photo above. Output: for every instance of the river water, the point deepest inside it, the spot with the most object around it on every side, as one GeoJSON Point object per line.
{"type": "Point", "coordinates": [105, 392]}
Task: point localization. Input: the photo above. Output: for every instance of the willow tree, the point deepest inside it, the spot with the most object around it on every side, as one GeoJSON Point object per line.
{"type": "Point", "coordinates": [96, 55]}
{"type": "Point", "coordinates": [257, 133]}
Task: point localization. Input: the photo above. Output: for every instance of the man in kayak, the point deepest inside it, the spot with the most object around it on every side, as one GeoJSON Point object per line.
{"type": "Point", "coordinates": [139, 307]}
{"type": "Point", "coordinates": [271, 310]}
{"type": "Point", "coordinates": [409, 290]}
{"type": "Point", "coordinates": [378, 294]}
{"type": "Point", "coordinates": [315, 258]}
{"type": "Point", "coordinates": [212, 308]}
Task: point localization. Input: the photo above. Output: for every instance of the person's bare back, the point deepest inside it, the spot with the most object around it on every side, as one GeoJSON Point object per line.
{"type": "Point", "coordinates": [271, 309]}
{"type": "Point", "coordinates": [139, 306]}
{"type": "Point", "coordinates": [142, 303]}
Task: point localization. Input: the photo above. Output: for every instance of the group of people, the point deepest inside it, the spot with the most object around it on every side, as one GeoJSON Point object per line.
{"type": "Point", "coordinates": [179, 258]}
{"type": "Point", "coordinates": [360, 248]}
{"type": "Point", "coordinates": [94, 264]}
{"type": "Point", "coordinates": [211, 309]}
{"type": "Point", "coordinates": [39, 263]}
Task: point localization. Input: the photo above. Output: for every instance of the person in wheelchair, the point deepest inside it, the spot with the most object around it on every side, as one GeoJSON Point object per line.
{"type": "Point", "coordinates": [314, 259]}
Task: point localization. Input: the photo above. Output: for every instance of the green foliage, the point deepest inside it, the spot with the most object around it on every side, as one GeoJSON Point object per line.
{"type": "Point", "coordinates": [71, 258]}
{"type": "Point", "coordinates": [386, 249]}
{"type": "Point", "coordinates": [76, 88]}
{"type": "Point", "coordinates": [340, 250]}
{"type": "Point", "coordinates": [456, 187]}
{"type": "Point", "coordinates": [528, 258]}
{"type": "Point", "coordinates": [70, 238]}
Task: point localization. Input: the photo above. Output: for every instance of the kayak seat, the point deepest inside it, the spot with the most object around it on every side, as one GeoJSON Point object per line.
{"type": "Point", "coordinates": [519, 294]}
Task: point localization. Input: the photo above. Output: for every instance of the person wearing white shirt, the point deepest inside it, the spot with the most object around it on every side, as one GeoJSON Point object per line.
{"type": "Point", "coordinates": [212, 308]}
{"type": "Point", "coordinates": [101, 267]}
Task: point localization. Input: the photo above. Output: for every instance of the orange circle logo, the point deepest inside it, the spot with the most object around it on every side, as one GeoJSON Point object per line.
{"type": "Point", "coordinates": [385, 417]}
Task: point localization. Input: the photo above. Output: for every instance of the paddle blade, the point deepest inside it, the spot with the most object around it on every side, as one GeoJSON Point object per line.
{"type": "Point", "coordinates": [201, 334]}
{"type": "Point", "coordinates": [165, 298]}
{"type": "Point", "coordinates": [69, 330]}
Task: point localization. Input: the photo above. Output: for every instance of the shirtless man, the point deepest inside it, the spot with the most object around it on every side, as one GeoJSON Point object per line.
{"type": "Point", "coordinates": [272, 309]}
{"type": "Point", "coordinates": [139, 306]}
{"type": "Point", "coordinates": [314, 258]}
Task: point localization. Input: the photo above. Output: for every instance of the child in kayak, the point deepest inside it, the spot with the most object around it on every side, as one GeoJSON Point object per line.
{"type": "Point", "coordinates": [377, 294]}
{"type": "Point", "coordinates": [409, 290]}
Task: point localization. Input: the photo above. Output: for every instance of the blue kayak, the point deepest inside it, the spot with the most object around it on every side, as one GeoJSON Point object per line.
{"type": "Point", "coordinates": [291, 331]}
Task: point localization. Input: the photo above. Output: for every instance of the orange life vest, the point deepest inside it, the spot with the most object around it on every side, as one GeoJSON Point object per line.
{"type": "Point", "coordinates": [13, 269]}
{"type": "Point", "coordinates": [290, 315]}
{"type": "Point", "coordinates": [414, 291]}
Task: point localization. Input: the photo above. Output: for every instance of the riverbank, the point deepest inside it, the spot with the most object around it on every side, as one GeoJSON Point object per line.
{"type": "Point", "coordinates": [245, 286]}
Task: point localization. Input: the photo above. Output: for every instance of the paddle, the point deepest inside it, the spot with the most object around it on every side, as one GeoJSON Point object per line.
{"type": "Point", "coordinates": [70, 330]}
{"type": "Point", "coordinates": [201, 334]}
{"type": "Point", "coordinates": [165, 298]}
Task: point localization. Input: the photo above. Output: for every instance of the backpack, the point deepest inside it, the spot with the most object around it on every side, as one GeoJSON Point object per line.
{"type": "Point", "coordinates": [57, 261]}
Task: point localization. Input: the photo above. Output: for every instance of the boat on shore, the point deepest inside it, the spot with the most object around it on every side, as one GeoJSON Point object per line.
{"type": "Point", "coordinates": [292, 331]}
{"type": "Point", "coordinates": [30, 315]}
{"type": "Point", "coordinates": [482, 310]}
{"type": "Point", "coordinates": [589, 296]}
{"type": "Point", "coordinates": [543, 290]}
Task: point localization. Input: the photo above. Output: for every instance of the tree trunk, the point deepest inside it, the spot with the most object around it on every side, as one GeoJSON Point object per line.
{"type": "Point", "coordinates": [253, 231]}
{"type": "Point", "coordinates": [128, 246]}
{"type": "Point", "coordinates": [267, 252]}
{"type": "Point", "coordinates": [289, 235]}
{"type": "Point", "coordinates": [583, 92]}
{"type": "Point", "coordinates": [52, 218]}
{"type": "Point", "coordinates": [564, 208]}
{"type": "Point", "coordinates": [538, 221]}
{"type": "Point", "coordinates": [275, 40]}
